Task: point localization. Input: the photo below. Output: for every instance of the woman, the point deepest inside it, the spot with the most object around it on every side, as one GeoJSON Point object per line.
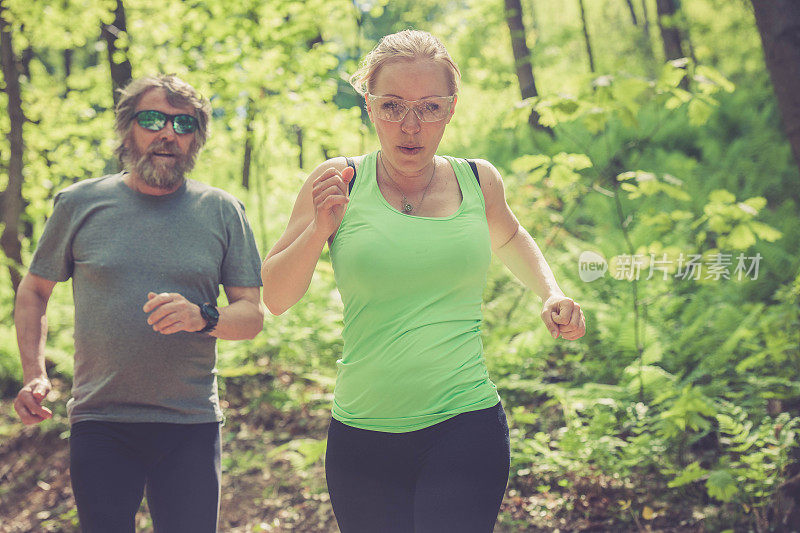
{"type": "Point", "coordinates": [418, 439]}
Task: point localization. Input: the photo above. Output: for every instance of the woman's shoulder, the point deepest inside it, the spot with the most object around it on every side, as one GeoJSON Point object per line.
{"type": "Point", "coordinates": [339, 163]}
{"type": "Point", "coordinates": [491, 182]}
{"type": "Point", "coordinates": [482, 164]}
{"type": "Point", "coordinates": [487, 173]}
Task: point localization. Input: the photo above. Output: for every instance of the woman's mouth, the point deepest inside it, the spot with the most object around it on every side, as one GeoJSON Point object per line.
{"type": "Point", "coordinates": [410, 150]}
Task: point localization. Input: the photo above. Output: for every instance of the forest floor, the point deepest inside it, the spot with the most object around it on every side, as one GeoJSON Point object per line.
{"type": "Point", "coordinates": [272, 488]}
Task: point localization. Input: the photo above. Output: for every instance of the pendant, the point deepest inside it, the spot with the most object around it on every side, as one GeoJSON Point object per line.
{"type": "Point", "coordinates": [407, 207]}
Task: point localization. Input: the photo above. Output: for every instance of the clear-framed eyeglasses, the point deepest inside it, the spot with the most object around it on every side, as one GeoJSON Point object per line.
{"type": "Point", "coordinates": [394, 109]}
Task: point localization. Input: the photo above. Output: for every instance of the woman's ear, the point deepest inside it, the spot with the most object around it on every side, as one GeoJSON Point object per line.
{"type": "Point", "coordinates": [452, 108]}
{"type": "Point", "coordinates": [369, 107]}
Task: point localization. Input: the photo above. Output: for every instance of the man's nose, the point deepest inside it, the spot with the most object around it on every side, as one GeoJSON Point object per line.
{"type": "Point", "coordinates": [168, 132]}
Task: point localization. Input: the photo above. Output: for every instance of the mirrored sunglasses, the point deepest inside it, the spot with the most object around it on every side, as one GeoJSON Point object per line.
{"type": "Point", "coordinates": [393, 109]}
{"type": "Point", "coordinates": [153, 120]}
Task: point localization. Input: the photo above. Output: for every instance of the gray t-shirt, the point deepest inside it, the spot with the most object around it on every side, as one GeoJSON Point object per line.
{"type": "Point", "coordinates": [117, 245]}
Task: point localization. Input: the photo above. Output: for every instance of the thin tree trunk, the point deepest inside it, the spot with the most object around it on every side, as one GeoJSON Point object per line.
{"type": "Point", "coordinates": [633, 12]}
{"type": "Point", "coordinates": [67, 56]}
{"type": "Point", "coordinates": [778, 23]}
{"type": "Point", "coordinates": [671, 35]}
{"type": "Point", "coordinates": [121, 72]}
{"type": "Point", "coordinates": [522, 58]}
{"type": "Point", "coordinates": [519, 46]}
{"type": "Point", "coordinates": [248, 145]}
{"type": "Point", "coordinates": [12, 196]}
{"type": "Point", "coordinates": [670, 32]}
{"type": "Point", "coordinates": [586, 37]}
{"type": "Point", "coordinates": [645, 21]}
{"type": "Point", "coordinates": [298, 131]}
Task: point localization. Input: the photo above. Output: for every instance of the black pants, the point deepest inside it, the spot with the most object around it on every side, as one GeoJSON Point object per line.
{"type": "Point", "coordinates": [112, 464]}
{"type": "Point", "coordinates": [449, 477]}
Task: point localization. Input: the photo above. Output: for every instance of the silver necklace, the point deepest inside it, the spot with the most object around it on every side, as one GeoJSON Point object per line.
{"type": "Point", "coordinates": [407, 206]}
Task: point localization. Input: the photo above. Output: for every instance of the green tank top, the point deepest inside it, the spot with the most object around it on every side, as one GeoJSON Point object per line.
{"type": "Point", "coordinates": [412, 289]}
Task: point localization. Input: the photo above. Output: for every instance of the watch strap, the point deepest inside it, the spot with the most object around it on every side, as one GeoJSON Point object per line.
{"type": "Point", "coordinates": [210, 314]}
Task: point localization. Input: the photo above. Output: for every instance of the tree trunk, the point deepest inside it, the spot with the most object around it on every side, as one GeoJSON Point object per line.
{"type": "Point", "coordinates": [12, 196]}
{"type": "Point", "coordinates": [298, 131]}
{"type": "Point", "coordinates": [121, 72]}
{"type": "Point", "coordinates": [778, 23]}
{"type": "Point", "coordinates": [67, 56]}
{"type": "Point", "coordinates": [645, 21]}
{"type": "Point", "coordinates": [670, 32]}
{"type": "Point", "coordinates": [633, 12]}
{"type": "Point", "coordinates": [248, 145]}
{"type": "Point", "coordinates": [586, 37]}
{"type": "Point", "coordinates": [522, 57]}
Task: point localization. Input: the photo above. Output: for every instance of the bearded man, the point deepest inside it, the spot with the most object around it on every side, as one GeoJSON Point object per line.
{"type": "Point", "coordinates": [147, 250]}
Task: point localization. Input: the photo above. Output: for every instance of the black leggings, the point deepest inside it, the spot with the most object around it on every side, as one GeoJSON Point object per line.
{"type": "Point", "coordinates": [112, 463]}
{"type": "Point", "coordinates": [449, 477]}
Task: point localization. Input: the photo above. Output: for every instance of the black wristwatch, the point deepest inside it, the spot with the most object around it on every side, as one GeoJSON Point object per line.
{"type": "Point", "coordinates": [210, 314]}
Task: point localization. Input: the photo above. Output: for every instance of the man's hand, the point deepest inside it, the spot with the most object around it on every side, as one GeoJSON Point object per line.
{"type": "Point", "coordinates": [170, 313]}
{"type": "Point", "coordinates": [563, 317]}
{"type": "Point", "coordinates": [28, 404]}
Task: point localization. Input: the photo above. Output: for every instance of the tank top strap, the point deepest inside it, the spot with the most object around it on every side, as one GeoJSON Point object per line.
{"type": "Point", "coordinates": [366, 176]}
{"type": "Point", "coordinates": [470, 187]}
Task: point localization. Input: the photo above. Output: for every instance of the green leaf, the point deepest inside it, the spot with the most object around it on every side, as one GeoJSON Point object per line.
{"type": "Point", "coordinates": [595, 119]}
{"type": "Point", "coordinates": [652, 377]}
{"type": "Point", "coordinates": [521, 415]}
{"type": "Point", "coordinates": [671, 75]}
{"type": "Point", "coordinates": [706, 73]}
{"type": "Point", "coordinates": [301, 453]}
{"type": "Point", "coordinates": [675, 192]}
{"type": "Point", "coordinates": [741, 238]}
{"type": "Point", "coordinates": [721, 196]}
{"type": "Point", "coordinates": [699, 111]}
{"type": "Point", "coordinates": [692, 473]}
{"type": "Point", "coordinates": [756, 202]}
{"type": "Point", "coordinates": [678, 98]}
{"type": "Point", "coordinates": [721, 485]}
{"type": "Point", "coordinates": [562, 177]}
{"type": "Point", "coordinates": [629, 90]}
{"type": "Point", "coordinates": [573, 161]}
{"type": "Point", "coordinates": [526, 163]}
{"type": "Point", "coordinates": [678, 215]}
{"type": "Point", "coordinates": [764, 231]}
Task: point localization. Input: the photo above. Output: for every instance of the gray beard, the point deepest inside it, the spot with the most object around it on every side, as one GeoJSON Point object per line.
{"type": "Point", "coordinates": [155, 173]}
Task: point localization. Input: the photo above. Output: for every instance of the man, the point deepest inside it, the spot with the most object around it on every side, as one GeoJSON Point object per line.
{"type": "Point", "coordinates": [146, 250]}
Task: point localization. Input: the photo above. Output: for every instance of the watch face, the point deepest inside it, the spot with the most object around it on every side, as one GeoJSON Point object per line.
{"type": "Point", "coordinates": [210, 311]}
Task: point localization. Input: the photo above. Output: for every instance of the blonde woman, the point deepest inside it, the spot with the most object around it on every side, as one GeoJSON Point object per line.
{"type": "Point", "coordinates": [418, 439]}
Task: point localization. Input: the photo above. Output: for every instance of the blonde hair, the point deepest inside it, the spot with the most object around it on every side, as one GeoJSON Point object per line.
{"type": "Point", "coordinates": [179, 94]}
{"type": "Point", "coordinates": [407, 45]}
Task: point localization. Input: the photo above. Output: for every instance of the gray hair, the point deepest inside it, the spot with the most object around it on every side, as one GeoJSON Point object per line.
{"type": "Point", "coordinates": [179, 94]}
{"type": "Point", "coordinates": [407, 45]}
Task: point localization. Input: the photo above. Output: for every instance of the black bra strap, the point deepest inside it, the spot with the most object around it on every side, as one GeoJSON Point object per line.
{"type": "Point", "coordinates": [474, 168]}
{"type": "Point", "coordinates": [352, 181]}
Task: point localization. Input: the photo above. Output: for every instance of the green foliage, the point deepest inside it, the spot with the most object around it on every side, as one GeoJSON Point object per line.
{"type": "Point", "coordinates": [301, 453]}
